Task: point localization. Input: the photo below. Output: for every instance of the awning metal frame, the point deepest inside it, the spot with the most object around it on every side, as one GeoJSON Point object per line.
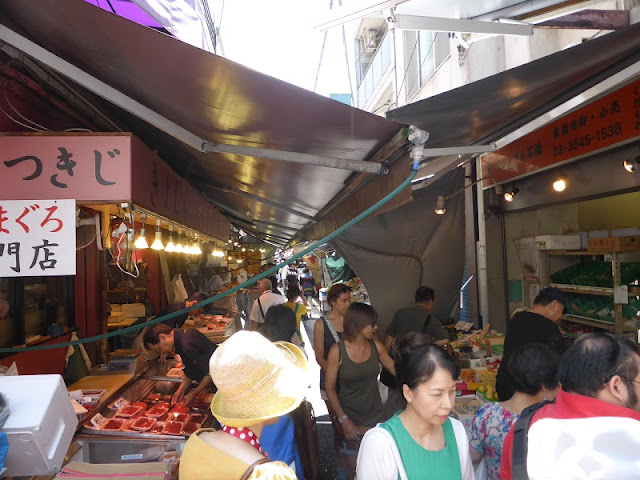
{"type": "Point", "coordinates": [136, 108]}
{"type": "Point", "coordinates": [461, 25]}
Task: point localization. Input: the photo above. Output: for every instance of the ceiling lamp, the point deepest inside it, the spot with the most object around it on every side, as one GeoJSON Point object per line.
{"type": "Point", "coordinates": [440, 206]}
{"type": "Point", "coordinates": [560, 184]}
{"type": "Point", "coordinates": [141, 241]}
{"type": "Point", "coordinates": [632, 166]}
{"type": "Point", "coordinates": [157, 242]}
{"type": "Point", "coordinates": [179, 247]}
{"type": "Point", "coordinates": [170, 245]}
{"type": "Point", "coordinates": [509, 195]}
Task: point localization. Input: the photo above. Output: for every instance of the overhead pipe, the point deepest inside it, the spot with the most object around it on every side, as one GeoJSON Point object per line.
{"type": "Point", "coordinates": [517, 10]}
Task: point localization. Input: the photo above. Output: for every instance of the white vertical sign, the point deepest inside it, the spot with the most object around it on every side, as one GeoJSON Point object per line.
{"type": "Point", "coordinates": [37, 238]}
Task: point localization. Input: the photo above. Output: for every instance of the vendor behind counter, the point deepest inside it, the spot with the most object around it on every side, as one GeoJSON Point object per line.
{"type": "Point", "coordinates": [194, 349]}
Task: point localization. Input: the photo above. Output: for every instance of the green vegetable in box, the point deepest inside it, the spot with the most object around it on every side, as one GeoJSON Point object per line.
{"type": "Point", "coordinates": [596, 274]}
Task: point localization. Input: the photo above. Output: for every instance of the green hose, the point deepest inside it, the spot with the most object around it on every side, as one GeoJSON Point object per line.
{"type": "Point", "coordinates": [366, 213]}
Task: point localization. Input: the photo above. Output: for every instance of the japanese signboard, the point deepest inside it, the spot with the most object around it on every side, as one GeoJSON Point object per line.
{"type": "Point", "coordinates": [103, 168]}
{"type": "Point", "coordinates": [611, 120]}
{"type": "Point", "coordinates": [84, 167]}
{"type": "Point", "coordinates": [37, 238]}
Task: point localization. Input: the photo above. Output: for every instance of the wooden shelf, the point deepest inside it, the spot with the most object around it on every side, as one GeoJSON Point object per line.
{"type": "Point", "coordinates": [572, 252]}
{"type": "Point", "coordinates": [634, 291]}
{"type": "Point", "coordinates": [589, 322]}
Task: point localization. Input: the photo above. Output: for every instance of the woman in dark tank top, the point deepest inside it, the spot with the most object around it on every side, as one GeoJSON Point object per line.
{"type": "Point", "coordinates": [356, 362]}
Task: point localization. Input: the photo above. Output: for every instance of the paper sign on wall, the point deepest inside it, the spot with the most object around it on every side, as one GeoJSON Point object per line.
{"type": "Point", "coordinates": [37, 238]}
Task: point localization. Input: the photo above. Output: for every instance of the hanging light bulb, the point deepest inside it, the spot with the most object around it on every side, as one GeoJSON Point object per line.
{"type": "Point", "coordinates": [179, 247]}
{"type": "Point", "coordinates": [239, 260]}
{"type": "Point", "coordinates": [440, 206]}
{"type": "Point", "coordinates": [197, 250]}
{"type": "Point", "coordinates": [141, 241]}
{"type": "Point", "coordinates": [157, 242]}
{"type": "Point", "coordinates": [170, 245]}
{"type": "Point", "coordinates": [508, 196]}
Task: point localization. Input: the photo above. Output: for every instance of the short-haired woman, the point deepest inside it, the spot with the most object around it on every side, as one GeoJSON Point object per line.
{"type": "Point", "coordinates": [533, 371]}
{"type": "Point", "coordinates": [328, 329]}
{"type": "Point", "coordinates": [422, 441]}
{"type": "Point", "coordinates": [356, 361]}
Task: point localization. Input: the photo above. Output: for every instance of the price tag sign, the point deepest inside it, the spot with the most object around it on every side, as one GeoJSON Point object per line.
{"type": "Point", "coordinates": [98, 421]}
{"type": "Point", "coordinates": [118, 404]}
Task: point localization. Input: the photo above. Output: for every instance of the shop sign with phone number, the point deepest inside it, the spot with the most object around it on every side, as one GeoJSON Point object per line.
{"type": "Point", "coordinates": [608, 121]}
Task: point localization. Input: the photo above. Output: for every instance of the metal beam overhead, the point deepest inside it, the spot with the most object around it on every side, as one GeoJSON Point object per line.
{"type": "Point", "coordinates": [435, 24]}
{"type": "Point", "coordinates": [473, 149]}
{"type": "Point", "coordinates": [296, 157]}
{"type": "Point", "coordinates": [590, 20]}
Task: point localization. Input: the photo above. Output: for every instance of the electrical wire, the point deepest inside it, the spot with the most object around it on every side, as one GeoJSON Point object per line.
{"type": "Point", "coordinates": [4, 92]}
{"type": "Point", "coordinates": [414, 170]}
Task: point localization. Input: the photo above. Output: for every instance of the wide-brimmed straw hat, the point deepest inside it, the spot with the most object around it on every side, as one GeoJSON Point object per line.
{"type": "Point", "coordinates": [256, 379]}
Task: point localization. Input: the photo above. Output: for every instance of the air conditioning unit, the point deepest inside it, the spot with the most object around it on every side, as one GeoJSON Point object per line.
{"type": "Point", "coordinates": [370, 41]}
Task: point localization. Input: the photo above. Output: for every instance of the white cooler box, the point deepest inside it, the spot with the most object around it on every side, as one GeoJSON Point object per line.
{"type": "Point", "coordinates": [40, 426]}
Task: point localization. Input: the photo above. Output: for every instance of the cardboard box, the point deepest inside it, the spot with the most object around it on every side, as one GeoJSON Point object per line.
{"type": "Point", "coordinates": [130, 310]}
{"type": "Point", "coordinates": [614, 244]}
{"type": "Point", "coordinates": [558, 242]}
{"type": "Point", "coordinates": [132, 471]}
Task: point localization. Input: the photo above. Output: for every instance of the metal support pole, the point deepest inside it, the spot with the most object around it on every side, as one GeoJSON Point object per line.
{"type": "Point", "coordinates": [483, 291]}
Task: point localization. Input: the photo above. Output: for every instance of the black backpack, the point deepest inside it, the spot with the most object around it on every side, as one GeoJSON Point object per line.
{"type": "Point", "coordinates": [521, 441]}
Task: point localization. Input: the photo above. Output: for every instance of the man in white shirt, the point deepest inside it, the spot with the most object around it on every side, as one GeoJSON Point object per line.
{"type": "Point", "coordinates": [266, 299]}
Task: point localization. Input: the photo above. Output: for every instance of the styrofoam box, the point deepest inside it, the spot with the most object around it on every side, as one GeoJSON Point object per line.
{"type": "Point", "coordinates": [558, 242]}
{"type": "Point", "coordinates": [40, 426]}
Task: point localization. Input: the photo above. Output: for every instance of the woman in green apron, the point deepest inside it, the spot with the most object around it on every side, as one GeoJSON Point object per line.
{"type": "Point", "coordinates": [422, 441]}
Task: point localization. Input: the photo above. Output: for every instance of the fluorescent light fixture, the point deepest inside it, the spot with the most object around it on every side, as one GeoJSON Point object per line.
{"type": "Point", "coordinates": [422, 179]}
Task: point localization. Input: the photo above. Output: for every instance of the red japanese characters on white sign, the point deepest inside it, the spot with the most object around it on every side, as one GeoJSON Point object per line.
{"type": "Point", "coordinates": [37, 238]}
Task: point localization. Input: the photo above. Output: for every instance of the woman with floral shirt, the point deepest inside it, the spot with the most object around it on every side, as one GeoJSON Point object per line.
{"type": "Point", "coordinates": [534, 371]}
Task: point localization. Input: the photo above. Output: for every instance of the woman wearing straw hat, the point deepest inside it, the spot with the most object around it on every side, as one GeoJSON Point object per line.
{"type": "Point", "coordinates": [257, 382]}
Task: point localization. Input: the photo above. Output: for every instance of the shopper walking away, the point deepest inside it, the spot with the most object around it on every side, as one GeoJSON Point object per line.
{"type": "Point", "coordinates": [422, 441]}
{"type": "Point", "coordinates": [308, 286]}
{"type": "Point", "coordinates": [417, 318]}
{"type": "Point", "coordinates": [356, 361]}
{"type": "Point", "coordinates": [538, 324]}
{"type": "Point", "coordinates": [593, 428]}
{"type": "Point", "coordinates": [294, 302]}
{"type": "Point", "coordinates": [533, 369]}
{"type": "Point", "coordinates": [266, 299]}
{"type": "Point", "coordinates": [257, 382]}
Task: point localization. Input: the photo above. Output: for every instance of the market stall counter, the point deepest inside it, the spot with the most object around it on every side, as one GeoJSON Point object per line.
{"type": "Point", "coordinates": [142, 408]}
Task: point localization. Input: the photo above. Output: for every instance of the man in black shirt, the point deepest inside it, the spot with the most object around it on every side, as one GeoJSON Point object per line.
{"type": "Point", "coordinates": [535, 325]}
{"type": "Point", "coordinates": [194, 349]}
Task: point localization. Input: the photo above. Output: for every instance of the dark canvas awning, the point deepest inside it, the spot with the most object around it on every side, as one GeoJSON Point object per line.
{"type": "Point", "coordinates": [488, 110]}
{"type": "Point", "coordinates": [214, 99]}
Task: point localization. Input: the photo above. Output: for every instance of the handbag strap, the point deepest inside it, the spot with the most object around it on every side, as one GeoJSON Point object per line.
{"type": "Point", "coordinates": [332, 329]}
{"type": "Point", "coordinates": [260, 306]}
{"type": "Point", "coordinates": [249, 470]}
{"type": "Point", "coordinates": [426, 323]}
